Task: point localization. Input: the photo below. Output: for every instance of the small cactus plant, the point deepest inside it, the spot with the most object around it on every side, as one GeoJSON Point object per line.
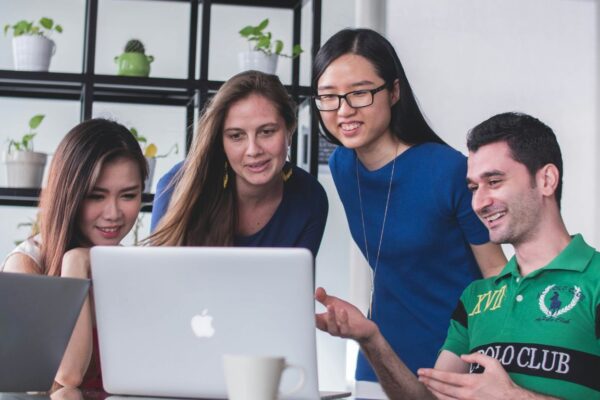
{"type": "Point", "coordinates": [134, 61]}
{"type": "Point", "coordinates": [135, 46]}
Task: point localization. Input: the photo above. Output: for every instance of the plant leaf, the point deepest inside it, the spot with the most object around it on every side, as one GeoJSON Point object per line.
{"type": "Point", "coordinates": [263, 43]}
{"type": "Point", "coordinates": [27, 141]}
{"type": "Point", "coordinates": [36, 120]}
{"type": "Point", "coordinates": [47, 23]}
{"type": "Point", "coordinates": [22, 27]}
{"type": "Point", "coordinates": [6, 28]}
{"type": "Point", "coordinates": [278, 46]}
{"type": "Point", "coordinates": [247, 31]}
{"type": "Point", "coordinates": [58, 28]}
{"type": "Point", "coordinates": [263, 24]}
{"type": "Point", "coordinates": [296, 50]}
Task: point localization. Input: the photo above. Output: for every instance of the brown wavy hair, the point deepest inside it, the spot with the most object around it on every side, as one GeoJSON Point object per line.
{"type": "Point", "coordinates": [75, 168]}
{"type": "Point", "coordinates": [201, 211]}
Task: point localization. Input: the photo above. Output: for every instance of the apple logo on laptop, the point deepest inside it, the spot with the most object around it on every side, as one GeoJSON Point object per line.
{"type": "Point", "coordinates": [202, 325]}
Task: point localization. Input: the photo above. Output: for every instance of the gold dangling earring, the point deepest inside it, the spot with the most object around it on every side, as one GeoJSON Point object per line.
{"type": "Point", "coordinates": [286, 174]}
{"type": "Point", "coordinates": [226, 176]}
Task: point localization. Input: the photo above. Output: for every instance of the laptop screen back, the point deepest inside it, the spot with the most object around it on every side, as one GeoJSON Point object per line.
{"type": "Point", "coordinates": [165, 316]}
{"type": "Point", "coordinates": [37, 316]}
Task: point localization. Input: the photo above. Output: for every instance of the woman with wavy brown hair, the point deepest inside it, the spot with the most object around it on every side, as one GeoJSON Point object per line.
{"type": "Point", "coordinates": [93, 197]}
{"type": "Point", "coordinates": [235, 188]}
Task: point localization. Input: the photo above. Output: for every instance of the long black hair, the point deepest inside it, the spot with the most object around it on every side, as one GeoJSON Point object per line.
{"type": "Point", "coordinates": [407, 122]}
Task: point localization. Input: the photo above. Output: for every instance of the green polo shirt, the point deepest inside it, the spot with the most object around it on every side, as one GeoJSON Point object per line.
{"type": "Point", "coordinates": [542, 327]}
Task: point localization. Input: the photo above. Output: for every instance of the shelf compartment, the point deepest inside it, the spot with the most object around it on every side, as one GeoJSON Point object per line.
{"type": "Point", "coordinates": [30, 197]}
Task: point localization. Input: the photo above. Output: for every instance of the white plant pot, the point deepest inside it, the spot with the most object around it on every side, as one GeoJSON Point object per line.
{"type": "Point", "coordinates": [24, 169]}
{"type": "Point", "coordinates": [258, 61]}
{"type": "Point", "coordinates": [32, 53]}
{"type": "Point", "coordinates": [151, 167]}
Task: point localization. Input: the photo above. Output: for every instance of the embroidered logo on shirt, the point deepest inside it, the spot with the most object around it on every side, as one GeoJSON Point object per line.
{"type": "Point", "coordinates": [490, 300]}
{"type": "Point", "coordinates": [557, 304]}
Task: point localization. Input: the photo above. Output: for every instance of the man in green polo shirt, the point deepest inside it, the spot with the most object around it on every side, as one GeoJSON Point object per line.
{"type": "Point", "coordinates": [532, 331]}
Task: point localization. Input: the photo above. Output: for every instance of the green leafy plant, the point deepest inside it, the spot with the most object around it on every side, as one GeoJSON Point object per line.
{"type": "Point", "coordinates": [134, 46]}
{"type": "Point", "coordinates": [150, 150]}
{"type": "Point", "coordinates": [263, 41]}
{"type": "Point", "coordinates": [44, 27]}
{"type": "Point", "coordinates": [26, 142]}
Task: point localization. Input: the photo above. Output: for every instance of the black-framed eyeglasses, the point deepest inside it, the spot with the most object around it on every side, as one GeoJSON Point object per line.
{"type": "Point", "coordinates": [355, 99]}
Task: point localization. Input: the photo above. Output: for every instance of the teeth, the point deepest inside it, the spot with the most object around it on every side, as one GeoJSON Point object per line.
{"type": "Point", "coordinates": [494, 217]}
{"type": "Point", "coordinates": [350, 126]}
{"type": "Point", "coordinates": [257, 165]}
{"type": "Point", "coordinates": [108, 229]}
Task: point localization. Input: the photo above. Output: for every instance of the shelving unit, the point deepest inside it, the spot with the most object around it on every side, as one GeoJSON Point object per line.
{"type": "Point", "coordinates": [30, 198]}
{"type": "Point", "coordinates": [192, 92]}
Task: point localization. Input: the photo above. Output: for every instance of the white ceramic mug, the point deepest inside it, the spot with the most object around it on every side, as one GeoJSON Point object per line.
{"type": "Point", "coordinates": [256, 377]}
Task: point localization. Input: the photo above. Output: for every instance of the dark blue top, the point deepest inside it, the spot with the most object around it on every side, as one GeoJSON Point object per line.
{"type": "Point", "coordinates": [425, 260]}
{"type": "Point", "coordinates": [299, 220]}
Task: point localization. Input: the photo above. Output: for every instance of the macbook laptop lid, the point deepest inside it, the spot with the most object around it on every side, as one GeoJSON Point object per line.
{"type": "Point", "coordinates": [37, 316]}
{"type": "Point", "coordinates": [165, 316]}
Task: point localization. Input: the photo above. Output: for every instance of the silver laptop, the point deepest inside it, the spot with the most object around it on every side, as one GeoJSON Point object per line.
{"type": "Point", "coordinates": [165, 316]}
{"type": "Point", "coordinates": [37, 316]}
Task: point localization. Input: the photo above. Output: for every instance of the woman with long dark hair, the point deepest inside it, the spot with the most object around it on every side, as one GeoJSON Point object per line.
{"type": "Point", "coordinates": [235, 187]}
{"type": "Point", "coordinates": [405, 197]}
{"type": "Point", "coordinates": [93, 197]}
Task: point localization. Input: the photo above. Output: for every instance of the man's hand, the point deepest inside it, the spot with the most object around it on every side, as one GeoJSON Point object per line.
{"type": "Point", "coordinates": [343, 319]}
{"type": "Point", "coordinates": [493, 383]}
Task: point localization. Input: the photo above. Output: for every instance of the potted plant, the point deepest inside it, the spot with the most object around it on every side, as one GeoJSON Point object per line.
{"type": "Point", "coordinates": [25, 167]}
{"type": "Point", "coordinates": [150, 152]}
{"type": "Point", "coordinates": [32, 47]}
{"type": "Point", "coordinates": [264, 51]}
{"type": "Point", "coordinates": [134, 61]}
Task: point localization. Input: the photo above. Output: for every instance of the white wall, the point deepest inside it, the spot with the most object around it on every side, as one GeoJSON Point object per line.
{"type": "Point", "coordinates": [333, 260]}
{"type": "Point", "coordinates": [470, 59]}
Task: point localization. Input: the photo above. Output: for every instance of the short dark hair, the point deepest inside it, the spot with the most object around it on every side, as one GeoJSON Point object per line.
{"type": "Point", "coordinates": [531, 142]}
{"type": "Point", "coordinates": [408, 123]}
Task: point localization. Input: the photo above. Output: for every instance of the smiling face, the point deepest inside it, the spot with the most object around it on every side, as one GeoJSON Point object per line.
{"type": "Point", "coordinates": [357, 128]}
{"type": "Point", "coordinates": [255, 140]}
{"type": "Point", "coordinates": [505, 196]}
{"type": "Point", "coordinates": [110, 210]}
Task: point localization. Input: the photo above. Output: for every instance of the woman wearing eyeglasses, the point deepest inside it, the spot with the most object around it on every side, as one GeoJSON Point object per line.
{"type": "Point", "coordinates": [405, 197]}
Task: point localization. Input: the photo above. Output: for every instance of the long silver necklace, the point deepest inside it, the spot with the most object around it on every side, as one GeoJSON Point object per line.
{"type": "Point", "coordinates": [362, 217]}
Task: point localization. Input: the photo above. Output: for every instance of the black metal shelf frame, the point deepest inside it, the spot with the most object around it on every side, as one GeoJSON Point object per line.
{"type": "Point", "coordinates": [30, 197]}
{"type": "Point", "coordinates": [191, 93]}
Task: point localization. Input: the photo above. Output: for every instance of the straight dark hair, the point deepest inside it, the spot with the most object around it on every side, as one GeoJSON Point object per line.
{"type": "Point", "coordinates": [75, 168]}
{"type": "Point", "coordinates": [407, 121]}
{"type": "Point", "coordinates": [531, 142]}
